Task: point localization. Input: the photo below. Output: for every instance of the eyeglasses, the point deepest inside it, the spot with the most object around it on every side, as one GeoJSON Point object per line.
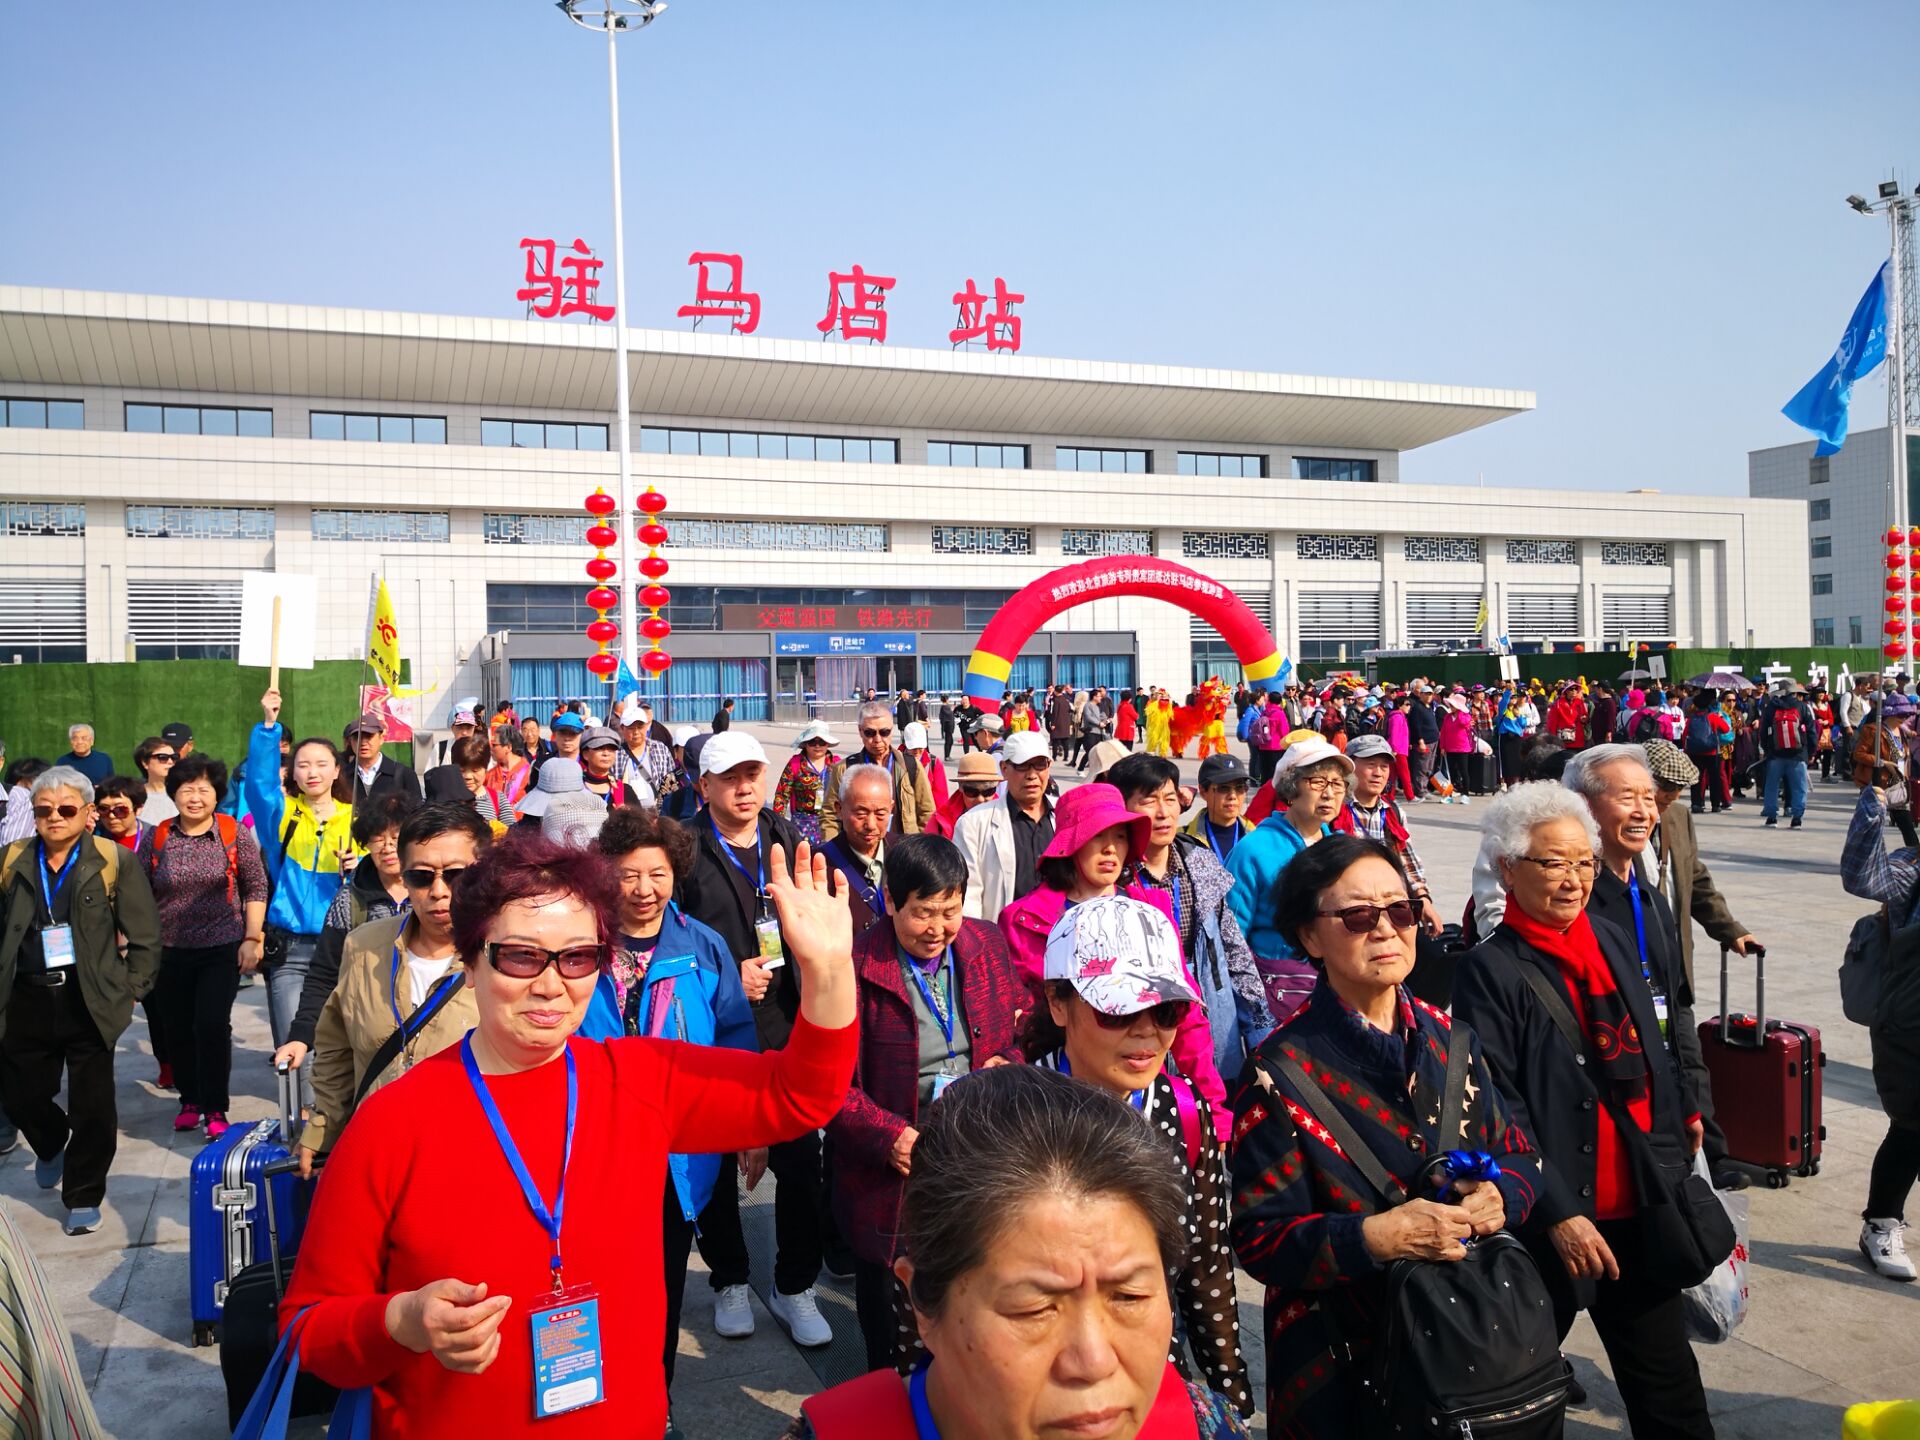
{"type": "Point", "coordinates": [876, 734]}
{"type": "Point", "coordinates": [527, 962]}
{"type": "Point", "coordinates": [112, 812]}
{"type": "Point", "coordinates": [166, 758]}
{"type": "Point", "coordinates": [47, 812]}
{"type": "Point", "coordinates": [1324, 782]}
{"type": "Point", "coordinates": [421, 877]}
{"type": "Point", "coordinates": [1361, 919]}
{"type": "Point", "coordinates": [1561, 869]}
{"type": "Point", "coordinates": [980, 792]}
{"type": "Point", "coordinates": [1167, 1015]}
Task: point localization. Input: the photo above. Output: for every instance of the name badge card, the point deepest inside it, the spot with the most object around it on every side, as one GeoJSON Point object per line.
{"type": "Point", "coordinates": [56, 943]}
{"type": "Point", "coordinates": [772, 953]}
{"type": "Point", "coordinates": [568, 1367]}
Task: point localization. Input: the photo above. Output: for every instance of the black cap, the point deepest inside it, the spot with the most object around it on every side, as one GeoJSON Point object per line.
{"type": "Point", "coordinates": [1223, 770]}
{"type": "Point", "coordinates": [367, 724]}
{"type": "Point", "coordinates": [178, 733]}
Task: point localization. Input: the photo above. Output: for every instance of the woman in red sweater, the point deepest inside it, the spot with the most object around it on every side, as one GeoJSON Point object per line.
{"type": "Point", "coordinates": [486, 1199]}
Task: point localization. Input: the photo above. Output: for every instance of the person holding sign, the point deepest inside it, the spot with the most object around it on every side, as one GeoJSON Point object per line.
{"type": "Point", "coordinates": [483, 1273]}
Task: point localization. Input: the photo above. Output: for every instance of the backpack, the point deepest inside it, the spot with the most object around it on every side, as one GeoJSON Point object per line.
{"type": "Point", "coordinates": [109, 851]}
{"type": "Point", "coordinates": [1458, 1346]}
{"type": "Point", "coordinates": [1700, 734]}
{"type": "Point", "coordinates": [1245, 730]}
{"type": "Point", "coordinates": [228, 830]}
{"type": "Point", "coordinates": [1645, 726]}
{"type": "Point", "coordinates": [1786, 728]}
{"type": "Point", "coordinates": [1258, 729]}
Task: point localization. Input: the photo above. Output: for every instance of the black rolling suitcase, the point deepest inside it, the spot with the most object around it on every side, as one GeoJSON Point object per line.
{"type": "Point", "coordinates": [250, 1322]}
{"type": "Point", "coordinates": [1483, 774]}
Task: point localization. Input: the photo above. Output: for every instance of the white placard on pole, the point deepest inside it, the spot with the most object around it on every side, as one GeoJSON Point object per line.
{"type": "Point", "coordinates": [1510, 667]}
{"type": "Point", "coordinates": [296, 594]}
{"type": "Point", "coordinates": [1657, 666]}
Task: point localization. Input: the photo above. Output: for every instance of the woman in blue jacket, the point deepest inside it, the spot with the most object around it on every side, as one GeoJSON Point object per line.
{"type": "Point", "coordinates": [305, 830]}
{"type": "Point", "coordinates": [672, 978]}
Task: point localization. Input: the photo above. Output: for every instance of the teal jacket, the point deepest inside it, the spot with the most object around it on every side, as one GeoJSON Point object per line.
{"type": "Point", "coordinates": [1255, 865]}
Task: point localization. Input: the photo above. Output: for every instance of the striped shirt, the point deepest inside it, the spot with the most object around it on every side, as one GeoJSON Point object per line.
{"type": "Point", "coordinates": [42, 1396]}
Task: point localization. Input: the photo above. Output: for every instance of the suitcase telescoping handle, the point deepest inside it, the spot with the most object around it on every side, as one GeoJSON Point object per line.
{"type": "Point", "coordinates": [289, 1080]}
{"type": "Point", "coordinates": [1759, 997]}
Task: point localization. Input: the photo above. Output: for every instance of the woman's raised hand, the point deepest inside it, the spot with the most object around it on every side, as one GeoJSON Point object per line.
{"type": "Point", "coordinates": [270, 707]}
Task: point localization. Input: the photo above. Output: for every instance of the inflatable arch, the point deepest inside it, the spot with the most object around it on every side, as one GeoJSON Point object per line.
{"type": "Point", "coordinates": [1009, 630]}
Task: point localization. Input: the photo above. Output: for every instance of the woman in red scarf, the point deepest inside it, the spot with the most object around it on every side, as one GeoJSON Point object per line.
{"type": "Point", "coordinates": [1590, 1113]}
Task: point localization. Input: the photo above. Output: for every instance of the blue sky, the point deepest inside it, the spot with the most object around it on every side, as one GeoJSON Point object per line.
{"type": "Point", "coordinates": [1634, 210]}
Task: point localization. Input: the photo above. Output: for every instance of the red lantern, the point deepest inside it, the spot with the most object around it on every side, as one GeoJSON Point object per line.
{"type": "Point", "coordinates": [603, 664]}
{"type": "Point", "coordinates": [1895, 560]}
{"type": "Point", "coordinates": [654, 535]}
{"type": "Point", "coordinates": [1893, 650]}
{"type": "Point", "coordinates": [653, 502]}
{"type": "Point", "coordinates": [1894, 537]}
{"type": "Point", "coordinates": [654, 662]}
{"type": "Point", "coordinates": [602, 537]}
{"type": "Point", "coordinates": [601, 503]}
{"type": "Point", "coordinates": [601, 568]}
{"type": "Point", "coordinates": [1913, 537]}
{"type": "Point", "coordinates": [1896, 604]}
{"type": "Point", "coordinates": [653, 567]}
{"type": "Point", "coordinates": [603, 632]}
{"type": "Point", "coordinates": [603, 598]}
{"type": "Point", "coordinates": [654, 628]}
{"type": "Point", "coordinates": [1895, 627]}
{"type": "Point", "coordinates": [655, 597]}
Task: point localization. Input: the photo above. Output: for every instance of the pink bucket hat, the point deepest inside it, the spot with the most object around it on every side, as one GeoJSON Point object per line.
{"type": "Point", "coordinates": [1084, 811]}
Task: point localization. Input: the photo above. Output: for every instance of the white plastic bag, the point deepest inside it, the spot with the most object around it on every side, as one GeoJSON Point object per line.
{"type": "Point", "coordinates": [1716, 1306]}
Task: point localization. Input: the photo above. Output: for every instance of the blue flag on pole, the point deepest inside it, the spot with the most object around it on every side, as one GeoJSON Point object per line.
{"type": "Point", "coordinates": [1821, 405]}
{"type": "Point", "coordinates": [625, 682]}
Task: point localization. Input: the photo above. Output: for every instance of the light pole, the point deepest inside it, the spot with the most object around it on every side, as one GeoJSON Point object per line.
{"type": "Point", "coordinates": [615, 16]}
{"type": "Point", "coordinates": [1903, 325]}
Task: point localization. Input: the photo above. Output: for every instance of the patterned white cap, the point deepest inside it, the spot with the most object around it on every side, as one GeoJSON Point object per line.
{"type": "Point", "coordinates": [1121, 954]}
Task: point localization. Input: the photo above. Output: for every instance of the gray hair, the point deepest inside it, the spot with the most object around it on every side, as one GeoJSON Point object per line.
{"type": "Point", "coordinates": [854, 774]}
{"type": "Point", "coordinates": [1286, 783]}
{"type": "Point", "coordinates": [63, 777]}
{"type": "Point", "coordinates": [1585, 771]}
{"type": "Point", "coordinates": [74, 731]}
{"type": "Point", "coordinates": [875, 710]}
{"type": "Point", "coordinates": [1003, 1138]}
{"type": "Point", "coordinates": [1517, 812]}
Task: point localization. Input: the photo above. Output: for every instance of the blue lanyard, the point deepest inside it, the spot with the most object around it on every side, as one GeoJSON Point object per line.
{"type": "Point", "coordinates": [47, 882]}
{"type": "Point", "coordinates": [759, 863]}
{"type": "Point", "coordinates": [923, 1426]}
{"type": "Point", "coordinates": [1640, 925]}
{"type": "Point", "coordinates": [1213, 842]}
{"type": "Point", "coordinates": [393, 988]}
{"type": "Point", "coordinates": [549, 1220]}
{"type": "Point", "coordinates": [873, 893]}
{"type": "Point", "coordinates": [926, 994]}
{"type": "Point", "coordinates": [1173, 884]}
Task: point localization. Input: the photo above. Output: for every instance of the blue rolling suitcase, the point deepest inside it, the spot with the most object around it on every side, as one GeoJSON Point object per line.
{"type": "Point", "coordinates": [227, 1214]}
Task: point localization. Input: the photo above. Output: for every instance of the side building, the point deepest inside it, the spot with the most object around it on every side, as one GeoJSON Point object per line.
{"type": "Point", "coordinates": [841, 516]}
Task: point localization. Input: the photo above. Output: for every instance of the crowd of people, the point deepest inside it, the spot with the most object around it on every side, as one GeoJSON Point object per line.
{"type": "Point", "coordinates": [1037, 1065]}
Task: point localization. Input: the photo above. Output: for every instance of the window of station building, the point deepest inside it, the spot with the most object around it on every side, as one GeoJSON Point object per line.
{"type": "Point", "coordinates": [1336, 547]}
{"type": "Point", "coordinates": [1314, 467]}
{"type": "Point", "coordinates": [43, 621]}
{"type": "Point", "coordinates": [1819, 509]}
{"type": "Point", "coordinates": [1823, 585]}
{"type": "Point", "coordinates": [982, 540]}
{"type": "Point", "coordinates": [429, 527]}
{"type": "Point", "coordinates": [517, 529]}
{"type": "Point", "coordinates": [31, 519]}
{"type": "Point", "coordinates": [144, 419]}
{"type": "Point", "coordinates": [174, 619]}
{"type": "Point", "coordinates": [1819, 472]}
{"type": "Point", "coordinates": [1853, 629]}
{"type": "Point", "coordinates": [969, 455]}
{"type": "Point", "coordinates": [1108, 462]}
{"type": "Point", "coordinates": [42, 414]}
{"type": "Point", "coordinates": [386, 429]}
{"type": "Point", "coordinates": [758, 445]}
{"type": "Point", "coordinates": [1441, 549]}
{"type": "Point", "coordinates": [1633, 552]}
{"type": "Point", "coordinates": [1226, 545]}
{"type": "Point", "coordinates": [803, 535]}
{"type": "Point", "coordinates": [1823, 632]}
{"type": "Point", "coordinates": [1080, 541]}
{"type": "Point", "coordinates": [1235, 467]}
{"type": "Point", "coordinates": [543, 434]}
{"type": "Point", "coordinates": [1542, 552]}
{"type": "Point", "coordinates": [1821, 547]}
{"type": "Point", "coordinates": [199, 522]}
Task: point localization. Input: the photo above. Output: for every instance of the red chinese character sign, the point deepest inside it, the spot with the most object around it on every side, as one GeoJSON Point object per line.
{"type": "Point", "coordinates": [861, 314]}
{"type": "Point", "coordinates": [562, 286]}
{"type": "Point", "coordinates": [999, 327]}
{"type": "Point", "coordinates": [740, 306]}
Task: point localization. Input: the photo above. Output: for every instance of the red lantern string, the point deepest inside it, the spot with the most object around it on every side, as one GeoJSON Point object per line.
{"type": "Point", "coordinates": [654, 596]}
{"type": "Point", "coordinates": [603, 597]}
{"type": "Point", "coordinates": [1901, 592]}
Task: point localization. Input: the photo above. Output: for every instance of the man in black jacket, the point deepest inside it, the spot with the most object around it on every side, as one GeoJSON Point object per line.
{"type": "Point", "coordinates": [374, 772]}
{"type": "Point", "coordinates": [1423, 728]}
{"type": "Point", "coordinates": [726, 888]}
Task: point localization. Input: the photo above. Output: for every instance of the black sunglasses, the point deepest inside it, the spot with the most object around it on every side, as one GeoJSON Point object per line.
{"type": "Point", "coordinates": [421, 877]}
{"type": "Point", "coordinates": [47, 812]}
{"type": "Point", "coordinates": [1167, 1015]}
{"type": "Point", "coordinates": [1361, 919]}
{"type": "Point", "coordinates": [875, 734]}
{"type": "Point", "coordinates": [525, 962]}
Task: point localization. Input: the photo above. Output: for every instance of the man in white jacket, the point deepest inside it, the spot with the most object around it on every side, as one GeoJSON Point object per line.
{"type": "Point", "coordinates": [1004, 839]}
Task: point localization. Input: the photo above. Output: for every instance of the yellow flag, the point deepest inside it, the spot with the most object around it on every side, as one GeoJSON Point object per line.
{"type": "Point", "coordinates": [1480, 620]}
{"type": "Point", "coordinates": [383, 641]}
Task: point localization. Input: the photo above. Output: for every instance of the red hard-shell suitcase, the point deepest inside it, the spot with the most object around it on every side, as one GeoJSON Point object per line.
{"type": "Point", "coordinates": [1766, 1083]}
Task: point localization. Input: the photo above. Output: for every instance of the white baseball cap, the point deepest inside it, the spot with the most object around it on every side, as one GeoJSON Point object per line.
{"type": "Point", "coordinates": [1310, 752]}
{"type": "Point", "coordinates": [727, 749]}
{"type": "Point", "coordinates": [1022, 746]}
{"type": "Point", "coordinates": [1121, 955]}
{"type": "Point", "coordinates": [914, 737]}
{"type": "Point", "coordinates": [684, 733]}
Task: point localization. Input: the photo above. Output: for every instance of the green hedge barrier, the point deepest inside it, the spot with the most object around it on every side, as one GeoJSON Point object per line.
{"type": "Point", "coordinates": [1607, 664]}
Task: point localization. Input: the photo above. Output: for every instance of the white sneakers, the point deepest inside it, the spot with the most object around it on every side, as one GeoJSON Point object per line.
{"type": "Point", "coordinates": [1884, 1244]}
{"type": "Point", "coordinates": [733, 1312]}
{"type": "Point", "coordinates": [801, 1315]}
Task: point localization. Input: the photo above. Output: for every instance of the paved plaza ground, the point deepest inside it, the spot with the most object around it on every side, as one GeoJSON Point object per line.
{"type": "Point", "coordinates": [1823, 1331]}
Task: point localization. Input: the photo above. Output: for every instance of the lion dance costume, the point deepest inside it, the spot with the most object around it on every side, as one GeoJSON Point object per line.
{"type": "Point", "coordinates": [1205, 721]}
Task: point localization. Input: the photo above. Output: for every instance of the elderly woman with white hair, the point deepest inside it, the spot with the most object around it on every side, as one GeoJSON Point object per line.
{"type": "Point", "coordinates": [1568, 1019]}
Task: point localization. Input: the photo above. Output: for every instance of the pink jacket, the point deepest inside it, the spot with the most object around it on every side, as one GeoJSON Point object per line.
{"type": "Point", "coordinates": [1456, 733]}
{"type": "Point", "coordinates": [1029, 920]}
{"type": "Point", "coordinates": [1397, 735]}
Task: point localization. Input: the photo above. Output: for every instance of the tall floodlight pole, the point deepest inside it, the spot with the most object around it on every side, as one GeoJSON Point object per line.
{"type": "Point", "coordinates": [1903, 337]}
{"type": "Point", "coordinates": [614, 17]}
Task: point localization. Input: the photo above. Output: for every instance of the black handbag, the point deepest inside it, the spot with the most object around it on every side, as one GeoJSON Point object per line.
{"type": "Point", "coordinates": [1685, 1230]}
{"type": "Point", "coordinates": [1458, 1347]}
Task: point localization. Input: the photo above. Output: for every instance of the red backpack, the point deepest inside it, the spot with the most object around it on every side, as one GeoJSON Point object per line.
{"type": "Point", "coordinates": [1787, 732]}
{"type": "Point", "coordinates": [228, 830]}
